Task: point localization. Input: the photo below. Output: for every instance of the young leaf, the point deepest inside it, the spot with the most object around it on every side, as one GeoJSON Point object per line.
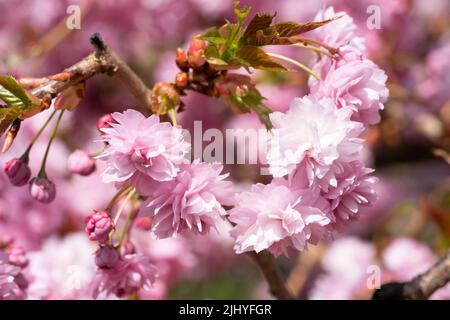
{"type": "Point", "coordinates": [289, 28]}
{"type": "Point", "coordinates": [258, 59]}
{"type": "Point", "coordinates": [7, 117]}
{"type": "Point", "coordinates": [241, 14]}
{"type": "Point", "coordinates": [212, 55]}
{"type": "Point", "coordinates": [12, 93]}
{"type": "Point", "coordinates": [258, 22]}
{"type": "Point", "coordinates": [213, 36]}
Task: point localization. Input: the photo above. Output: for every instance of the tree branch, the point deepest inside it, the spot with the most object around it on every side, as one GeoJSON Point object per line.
{"type": "Point", "coordinates": [421, 287]}
{"type": "Point", "coordinates": [272, 275]}
{"type": "Point", "coordinates": [102, 60]}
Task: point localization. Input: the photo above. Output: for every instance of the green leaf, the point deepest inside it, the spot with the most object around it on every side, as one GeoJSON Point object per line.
{"type": "Point", "coordinates": [212, 55]}
{"type": "Point", "coordinates": [259, 22]}
{"type": "Point", "coordinates": [241, 14]}
{"type": "Point", "coordinates": [289, 28]}
{"type": "Point", "coordinates": [7, 117]}
{"type": "Point", "coordinates": [212, 35]}
{"type": "Point", "coordinates": [12, 93]}
{"type": "Point", "coordinates": [258, 59]}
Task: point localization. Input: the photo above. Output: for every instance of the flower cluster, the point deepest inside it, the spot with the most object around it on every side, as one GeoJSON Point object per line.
{"type": "Point", "coordinates": [320, 182]}
{"type": "Point", "coordinates": [150, 156]}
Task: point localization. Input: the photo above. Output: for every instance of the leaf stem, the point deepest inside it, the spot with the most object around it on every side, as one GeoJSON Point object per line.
{"type": "Point", "coordinates": [313, 48]}
{"type": "Point", "coordinates": [294, 62]}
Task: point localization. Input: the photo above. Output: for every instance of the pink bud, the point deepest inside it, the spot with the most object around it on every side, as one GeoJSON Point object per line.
{"type": "Point", "coordinates": [98, 226]}
{"type": "Point", "coordinates": [17, 171]}
{"type": "Point", "coordinates": [105, 121]}
{"type": "Point", "coordinates": [81, 163]}
{"type": "Point", "coordinates": [182, 60]}
{"type": "Point", "coordinates": [181, 79]}
{"type": "Point", "coordinates": [196, 53]}
{"type": "Point", "coordinates": [17, 257]}
{"type": "Point", "coordinates": [143, 223]}
{"type": "Point", "coordinates": [106, 257]}
{"type": "Point", "coordinates": [127, 248]}
{"type": "Point", "coordinates": [42, 189]}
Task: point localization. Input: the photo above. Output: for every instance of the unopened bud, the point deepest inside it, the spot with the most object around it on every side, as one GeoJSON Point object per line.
{"type": "Point", "coordinates": [98, 226]}
{"type": "Point", "coordinates": [182, 60]}
{"type": "Point", "coordinates": [196, 53]}
{"type": "Point", "coordinates": [18, 172]}
{"type": "Point", "coordinates": [81, 163]}
{"type": "Point", "coordinates": [181, 79]}
{"type": "Point", "coordinates": [107, 257]}
{"type": "Point", "coordinates": [43, 190]}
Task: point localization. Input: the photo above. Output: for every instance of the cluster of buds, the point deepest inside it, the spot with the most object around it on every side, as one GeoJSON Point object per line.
{"type": "Point", "coordinates": [19, 173]}
{"type": "Point", "coordinates": [195, 74]}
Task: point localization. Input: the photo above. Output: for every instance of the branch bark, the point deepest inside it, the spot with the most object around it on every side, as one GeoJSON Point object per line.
{"type": "Point", "coordinates": [421, 287]}
{"type": "Point", "coordinates": [102, 60]}
{"type": "Point", "coordinates": [272, 275]}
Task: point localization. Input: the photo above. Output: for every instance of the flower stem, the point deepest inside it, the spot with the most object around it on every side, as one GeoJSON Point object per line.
{"type": "Point", "coordinates": [124, 231]}
{"type": "Point", "coordinates": [42, 173]}
{"type": "Point", "coordinates": [173, 116]}
{"type": "Point", "coordinates": [26, 154]}
{"type": "Point", "coordinates": [117, 197]}
{"type": "Point", "coordinates": [313, 48]}
{"type": "Point", "coordinates": [294, 62]}
{"type": "Point", "coordinates": [122, 206]}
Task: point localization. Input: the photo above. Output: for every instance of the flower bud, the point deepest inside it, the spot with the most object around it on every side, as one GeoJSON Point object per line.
{"type": "Point", "coordinates": [143, 223]}
{"type": "Point", "coordinates": [127, 248]}
{"type": "Point", "coordinates": [106, 257]}
{"type": "Point", "coordinates": [182, 60]}
{"type": "Point", "coordinates": [17, 171]}
{"type": "Point", "coordinates": [196, 53]}
{"type": "Point", "coordinates": [98, 226]}
{"type": "Point", "coordinates": [181, 79]}
{"type": "Point", "coordinates": [42, 189]}
{"type": "Point", "coordinates": [81, 163]}
{"type": "Point", "coordinates": [105, 121]}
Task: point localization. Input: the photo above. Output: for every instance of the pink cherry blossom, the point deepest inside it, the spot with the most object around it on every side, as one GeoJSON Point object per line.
{"type": "Point", "coordinates": [276, 218]}
{"type": "Point", "coordinates": [313, 133]}
{"type": "Point", "coordinates": [141, 147]}
{"type": "Point", "coordinates": [357, 83]}
{"type": "Point", "coordinates": [354, 189]}
{"type": "Point", "coordinates": [340, 32]}
{"type": "Point", "coordinates": [132, 273]}
{"type": "Point", "coordinates": [193, 201]}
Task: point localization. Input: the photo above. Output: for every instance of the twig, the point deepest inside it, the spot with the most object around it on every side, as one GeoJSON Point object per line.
{"type": "Point", "coordinates": [272, 275]}
{"type": "Point", "coordinates": [102, 60]}
{"type": "Point", "coordinates": [421, 287]}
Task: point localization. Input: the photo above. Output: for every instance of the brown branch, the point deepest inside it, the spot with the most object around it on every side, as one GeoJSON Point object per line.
{"type": "Point", "coordinates": [421, 287]}
{"type": "Point", "coordinates": [102, 60]}
{"type": "Point", "coordinates": [272, 275]}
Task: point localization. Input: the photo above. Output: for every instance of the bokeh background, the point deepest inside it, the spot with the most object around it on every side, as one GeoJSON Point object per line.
{"type": "Point", "coordinates": [403, 234]}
